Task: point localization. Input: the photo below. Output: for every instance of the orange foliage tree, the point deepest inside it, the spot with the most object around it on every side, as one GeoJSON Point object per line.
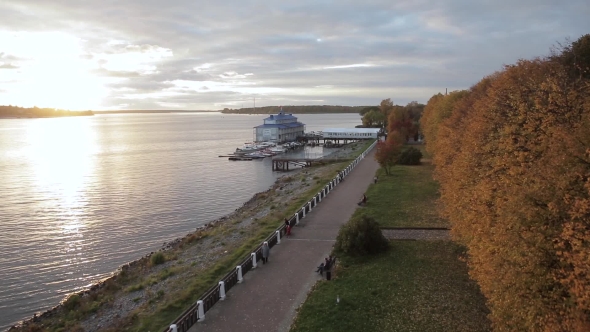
{"type": "Point", "coordinates": [400, 121]}
{"type": "Point", "coordinates": [512, 156]}
{"type": "Point", "coordinates": [388, 152]}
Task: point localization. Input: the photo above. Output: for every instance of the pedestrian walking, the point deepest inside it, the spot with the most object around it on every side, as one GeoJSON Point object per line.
{"type": "Point", "coordinates": [375, 179]}
{"type": "Point", "coordinates": [265, 252]}
{"type": "Point", "coordinates": [287, 227]}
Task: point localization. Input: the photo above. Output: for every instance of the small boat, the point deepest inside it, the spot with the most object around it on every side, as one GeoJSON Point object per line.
{"type": "Point", "coordinates": [277, 149]}
{"type": "Point", "coordinates": [239, 158]}
{"type": "Point", "coordinates": [255, 155]}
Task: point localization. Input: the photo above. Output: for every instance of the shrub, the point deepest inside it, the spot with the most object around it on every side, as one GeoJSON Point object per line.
{"type": "Point", "coordinates": [410, 156]}
{"type": "Point", "coordinates": [361, 236]}
{"type": "Point", "coordinates": [72, 302]}
{"type": "Point", "coordinates": [157, 258]}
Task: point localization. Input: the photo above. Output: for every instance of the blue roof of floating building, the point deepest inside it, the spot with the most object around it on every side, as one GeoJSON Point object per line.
{"type": "Point", "coordinates": [281, 125]}
{"type": "Point", "coordinates": [281, 116]}
{"type": "Point", "coordinates": [281, 121]}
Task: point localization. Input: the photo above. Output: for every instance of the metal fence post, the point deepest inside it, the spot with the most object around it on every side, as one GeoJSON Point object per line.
{"type": "Point", "coordinates": [303, 212]}
{"type": "Point", "coordinates": [309, 206]}
{"type": "Point", "coordinates": [240, 276]}
{"type": "Point", "coordinates": [253, 260]}
{"type": "Point", "coordinates": [173, 328]}
{"type": "Point", "coordinates": [222, 290]}
{"type": "Point", "coordinates": [320, 195]}
{"type": "Point", "coordinates": [201, 313]}
{"type": "Point", "coordinates": [297, 218]}
{"type": "Point", "coordinates": [278, 237]}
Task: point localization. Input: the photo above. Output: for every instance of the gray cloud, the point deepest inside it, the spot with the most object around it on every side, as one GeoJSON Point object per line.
{"type": "Point", "coordinates": [204, 55]}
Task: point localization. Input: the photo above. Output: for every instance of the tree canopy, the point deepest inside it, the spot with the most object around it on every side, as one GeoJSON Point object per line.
{"type": "Point", "coordinates": [512, 155]}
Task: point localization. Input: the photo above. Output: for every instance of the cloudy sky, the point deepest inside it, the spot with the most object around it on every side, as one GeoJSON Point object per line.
{"type": "Point", "coordinates": [206, 55]}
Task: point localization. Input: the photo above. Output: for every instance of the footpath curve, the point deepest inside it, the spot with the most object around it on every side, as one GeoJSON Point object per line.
{"type": "Point", "coordinates": [270, 294]}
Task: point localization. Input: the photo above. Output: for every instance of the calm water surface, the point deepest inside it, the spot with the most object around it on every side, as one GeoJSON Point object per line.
{"type": "Point", "coordinates": [81, 196]}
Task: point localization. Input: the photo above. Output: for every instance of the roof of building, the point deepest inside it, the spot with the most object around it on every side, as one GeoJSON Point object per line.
{"type": "Point", "coordinates": [282, 125]}
{"type": "Point", "coordinates": [281, 116]}
{"type": "Point", "coordinates": [352, 130]}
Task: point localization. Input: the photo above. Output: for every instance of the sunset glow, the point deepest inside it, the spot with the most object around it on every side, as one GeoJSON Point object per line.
{"type": "Point", "coordinates": [208, 56]}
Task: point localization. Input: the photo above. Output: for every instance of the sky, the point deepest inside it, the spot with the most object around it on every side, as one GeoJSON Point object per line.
{"type": "Point", "coordinates": [210, 55]}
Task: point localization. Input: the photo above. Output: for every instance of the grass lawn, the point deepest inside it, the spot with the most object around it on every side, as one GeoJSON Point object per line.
{"type": "Point", "coordinates": [415, 286]}
{"type": "Point", "coordinates": [406, 198]}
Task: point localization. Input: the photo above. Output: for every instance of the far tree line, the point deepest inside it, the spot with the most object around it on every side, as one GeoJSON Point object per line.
{"type": "Point", "coordinates": [295, 109]}
{"type": "Point", "coordinates": [399, 125]}
{"type": "Point", "coordinates": [36, 112]}
{"type": "Point", "coordinates": [379, 116]}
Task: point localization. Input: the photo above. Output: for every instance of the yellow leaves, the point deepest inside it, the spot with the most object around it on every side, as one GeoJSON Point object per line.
{"type": "Point", "coordinates": [513, 159]}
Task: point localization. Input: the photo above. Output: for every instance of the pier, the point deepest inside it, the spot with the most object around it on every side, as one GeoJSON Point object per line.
{"type": "Point", "coordinates": [282, 164]}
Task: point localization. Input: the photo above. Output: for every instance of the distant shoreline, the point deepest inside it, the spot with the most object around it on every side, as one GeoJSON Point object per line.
{"type": "Point", "coordinates": [42, 117]}
{"type": "Point", "coordinates": [151, 111]}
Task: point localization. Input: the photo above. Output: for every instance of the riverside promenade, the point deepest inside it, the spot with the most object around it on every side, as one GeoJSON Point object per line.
{"type": "Point", "coordinates": [270, 294]}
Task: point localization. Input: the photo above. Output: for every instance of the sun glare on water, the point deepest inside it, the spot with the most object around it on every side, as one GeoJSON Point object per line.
{"type": "Point", "coordinates": [62, 152]}
{"type": "Point", "coordinates": [52, 70]}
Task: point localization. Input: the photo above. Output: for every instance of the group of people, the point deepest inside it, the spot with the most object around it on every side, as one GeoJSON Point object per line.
{"type": "Point", "coordinates": [326, 266]}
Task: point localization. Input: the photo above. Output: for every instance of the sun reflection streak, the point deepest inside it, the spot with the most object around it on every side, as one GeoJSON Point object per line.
{"type": "Point", "coordinates": [61, 151]}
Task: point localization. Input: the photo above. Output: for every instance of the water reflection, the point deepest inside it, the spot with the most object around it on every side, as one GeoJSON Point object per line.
{"type": "Point", "coordinates": [61, 157]}
{"type": "Point", "coordinates": [81, 196]}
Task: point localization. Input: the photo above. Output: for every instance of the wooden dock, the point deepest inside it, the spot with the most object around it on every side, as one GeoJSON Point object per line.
{"type": "Point", "coordinates": [282, 164]}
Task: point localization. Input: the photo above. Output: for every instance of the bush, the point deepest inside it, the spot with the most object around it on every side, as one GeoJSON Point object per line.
{"type": "Point", "coordinates": [410, 156]}
{"type": "Point", "coordinates": [157, 258]}
{"type": "Point", "coordinates": [361, 236]}
{"type": "Point", "coordinates": [72, 302]}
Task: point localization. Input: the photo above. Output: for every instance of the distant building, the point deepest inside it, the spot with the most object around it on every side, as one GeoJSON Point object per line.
{"type": "Point", "coordinates": [279, 128]}
{"type": "Point", "coordinates": [350, 133]}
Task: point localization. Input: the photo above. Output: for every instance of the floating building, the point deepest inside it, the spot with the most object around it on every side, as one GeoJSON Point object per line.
{"type": "Point", "coordinates": [279, 128]}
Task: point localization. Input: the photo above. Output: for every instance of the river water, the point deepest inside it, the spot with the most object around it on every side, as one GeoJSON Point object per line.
{"type": "Point", "coordinates": [81, 196]}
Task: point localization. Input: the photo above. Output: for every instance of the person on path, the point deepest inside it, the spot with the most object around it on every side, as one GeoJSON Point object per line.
{"type": "Point", "coordinates": [287, 227]}
{"type": "Point", "coordinates": [375, 179]}
{"type": "Point", "coordinates": [265, 253]}
{"type": "Point", "coordinates": [320, 269]}
{"type": "Point", "coordinates": [363, 200]}
{"type": "Point", "coordinates": [328, 268]}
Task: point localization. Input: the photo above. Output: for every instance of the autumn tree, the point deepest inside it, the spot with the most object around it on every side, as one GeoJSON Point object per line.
{"type": "Point", "coordinates": [439, 108]}
{"type": "Point", "coordinates": [512, 156]}
{"type": "Point", "coordinates": [388, 152]}
{"type": "Point", "coordinates": [386, 106]}
{"type": "Point", "coordinates": [400, 121]}
{"type": "Point", "coordinates": [373, 118]}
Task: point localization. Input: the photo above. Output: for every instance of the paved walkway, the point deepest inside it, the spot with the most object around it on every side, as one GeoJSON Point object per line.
{"type": "Point", "coordinates": [270, 294]}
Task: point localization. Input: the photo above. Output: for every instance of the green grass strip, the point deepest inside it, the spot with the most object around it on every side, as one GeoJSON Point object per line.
{"type": "Point", "coordinates": [406, 198]}
{"type": "Point", "coordinates": [415, 286]}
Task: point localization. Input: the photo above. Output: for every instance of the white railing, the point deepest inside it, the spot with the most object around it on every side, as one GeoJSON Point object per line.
{"type": "Point", "coordinates": [196, 313]}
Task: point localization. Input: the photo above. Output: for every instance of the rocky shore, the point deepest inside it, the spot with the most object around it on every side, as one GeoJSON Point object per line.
{"type": "Point", "coordinates": [159, 279]}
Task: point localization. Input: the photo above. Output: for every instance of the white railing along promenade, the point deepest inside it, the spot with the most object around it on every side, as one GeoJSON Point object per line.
{"type": "Point", "coordinates": [196, 312]}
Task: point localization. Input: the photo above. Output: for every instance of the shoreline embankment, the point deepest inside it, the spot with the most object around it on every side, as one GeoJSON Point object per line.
{"type": "Point", "coordinates": [133, 286]}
